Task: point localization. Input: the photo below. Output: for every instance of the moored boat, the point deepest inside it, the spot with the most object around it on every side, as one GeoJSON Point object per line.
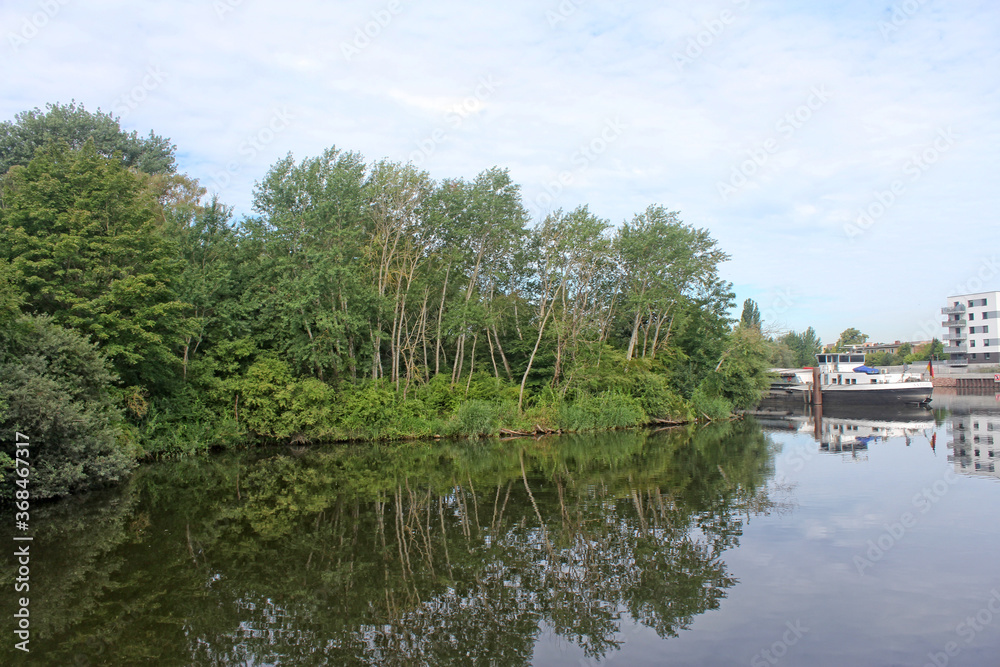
{"type": "Point", "coordinates": [845, 380]}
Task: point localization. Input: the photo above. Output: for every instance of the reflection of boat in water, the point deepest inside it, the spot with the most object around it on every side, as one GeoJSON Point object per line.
{"type": "Point", "coordinates": [848, 429]}
{"type": "Point", "coordinates": [770, 409]}
{"type": "Point", "coordinates": [845, 380]}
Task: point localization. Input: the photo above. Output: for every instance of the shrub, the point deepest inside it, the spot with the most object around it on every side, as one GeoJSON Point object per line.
{"type": "Point", "coordinates": [57, 390]}
{"type": "Point", "coordinates": [714, 406]}
{"type": "Point", "coordinates": [476, 418]}
{"type": "Point", "coordinates": [605, 411]}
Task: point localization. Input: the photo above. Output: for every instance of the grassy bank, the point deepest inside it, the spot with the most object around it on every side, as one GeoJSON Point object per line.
{"type": "Point", "coordinates": [307, 411]}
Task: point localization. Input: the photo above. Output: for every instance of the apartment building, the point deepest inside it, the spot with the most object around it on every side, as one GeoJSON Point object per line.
{"type": "Point", "coordinates": [972, 328]}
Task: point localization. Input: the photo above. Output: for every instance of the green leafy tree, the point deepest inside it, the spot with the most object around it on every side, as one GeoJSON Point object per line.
{"type": "Point", "coordinates": [79, 231]}
{"type": "Point", "coordinates": [750, 318]}
{"type": "Point", "coordinates": [663, 262]}
{"type": "Point", "coordinates": [71, 123]}
{"type": "Point", "coordinates": [804, 346]}
{"type": "Point", "coordinates": [741, 376]}
{"type": "Point", "coordinates": [11, 295]}
{"type": "Point", "coordinates": [850, 336]}
{"type": "Point", "coordinates": [58, 389]}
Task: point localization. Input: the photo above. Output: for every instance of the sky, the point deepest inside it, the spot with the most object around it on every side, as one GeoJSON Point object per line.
{"type": "Point", "coordinates": [842, 153]}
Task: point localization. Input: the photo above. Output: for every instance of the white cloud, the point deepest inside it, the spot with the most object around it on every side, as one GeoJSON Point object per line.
{"type": "Point", "coordinates": [561, 81]}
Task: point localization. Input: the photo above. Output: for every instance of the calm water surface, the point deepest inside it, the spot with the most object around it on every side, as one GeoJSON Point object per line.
{"type": "Point", "coordinates": [866, 539]}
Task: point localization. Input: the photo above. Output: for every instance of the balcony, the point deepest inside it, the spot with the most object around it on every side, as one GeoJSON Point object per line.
{"type": "Point", "coordinates": [952, 310]}
{"type": "Point", "coordinates": [954, 336]}
{"type": "Point", "coordinates": [960, 322]}
{"type": "Point", "coordinates": [956, 349]}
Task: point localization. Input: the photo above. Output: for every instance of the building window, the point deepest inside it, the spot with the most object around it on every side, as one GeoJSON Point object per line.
{"type": "Point", "coordinates": [972, 343]}
{"type": "Point", "coordinates": [986, 329]}
{"type": "Point", "coordinates": [987, 355]}
{"type": "Point", "coordinates": [972, 316]}
{"type": "Point", "coordinates": [986, 342]}
{"type": "Point", "coordinates": [971, 303]}
{"type": "Point", "coordinates": [973, 355]}
{"type": "Point", "coordinates": [972, 330]}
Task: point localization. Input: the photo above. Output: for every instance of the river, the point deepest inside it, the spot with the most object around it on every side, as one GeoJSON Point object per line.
{"type": "Point", "coordinates": [866, 539]}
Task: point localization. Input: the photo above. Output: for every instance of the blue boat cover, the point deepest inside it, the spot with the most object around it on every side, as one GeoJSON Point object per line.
{"type": "Point", "coordinates": [866, 369]}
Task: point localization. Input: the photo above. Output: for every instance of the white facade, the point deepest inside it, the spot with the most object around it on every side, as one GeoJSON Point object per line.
{"type": "Point", "coordinates": [972, 328]}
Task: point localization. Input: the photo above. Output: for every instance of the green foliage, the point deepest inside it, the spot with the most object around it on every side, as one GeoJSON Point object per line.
{"type": "Point", "coordinates": [476, 418]}
{"type": "Point", "coordinates": [707, 402]}
{"type": "Point", "coordinates": [363, 301]}
{"type": "Point", "coordinates": [58, 390]}
{"type": "Point", "coordinates": [608, 410]}
{"type": "Point", "coordinates": [11, 295]}
{"type": "Point", "coordinates": [803, 348]}
{"type": "Point", "coordinates": [750, 317]}
{"type": "Point", "coordinates": [79, 232]}
{"type": "Point", "coordinates": [850, 336]}
{"type": "Point", "coordinates": [278, 406]}
{"type": "Point", "coordinates": [74, 125]}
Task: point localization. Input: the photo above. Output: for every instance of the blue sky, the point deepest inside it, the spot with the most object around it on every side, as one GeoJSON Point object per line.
{"type": "Point", "coordinates": [843, 154]}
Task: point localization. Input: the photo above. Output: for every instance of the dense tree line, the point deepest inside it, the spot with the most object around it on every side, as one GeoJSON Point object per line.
{"type": "Point", "coordinates": [361, 300]}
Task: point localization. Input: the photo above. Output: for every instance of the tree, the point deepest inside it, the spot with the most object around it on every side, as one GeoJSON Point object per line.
{"type": "Point", "coordinates": [79, 231]}
{"type": "Point", "coordinates": [850, 336]}
{"type": "Point", "coordinates": [57, 387]}
{"type": "Point", "coordinates": [71, 123]}
{"type": "Point", "coordinates": [750, 318]}
{"type": "Point", "coordinates": [11, 295]}
{"type": "Point", "coordinates": [741, 377]}
{"type": "Point", "coordinates": [804, 346]}
{"type": "Point", "coordinates": [663, 262]}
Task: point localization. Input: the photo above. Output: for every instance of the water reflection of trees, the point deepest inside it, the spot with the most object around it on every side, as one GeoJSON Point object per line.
{"type": "Point", "coordinates": [435, 555]}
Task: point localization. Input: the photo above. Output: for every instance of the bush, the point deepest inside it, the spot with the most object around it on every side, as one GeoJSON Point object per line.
{"type": "Point", "coordinates": [607, 410]}
{"type": "Point", "coordinates": [476, 418]}
{"type": "Point", "coordinates": [715, 407]}
{"type": "Point", "coordinates": [57, 390]}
